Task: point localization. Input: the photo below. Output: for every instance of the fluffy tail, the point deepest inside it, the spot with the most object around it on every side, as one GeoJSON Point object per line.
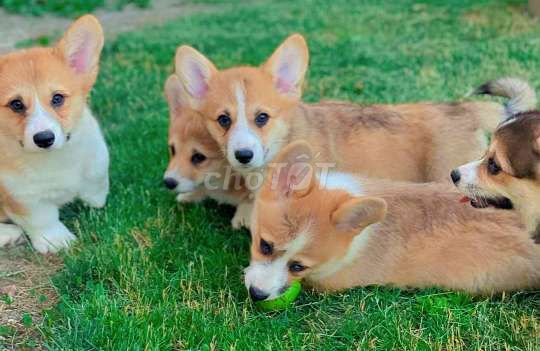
{"type": "Point", "coordinates": [521, 95]}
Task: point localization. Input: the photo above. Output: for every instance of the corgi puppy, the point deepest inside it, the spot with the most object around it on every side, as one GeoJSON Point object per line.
{"type": "Point", "coordinates": [508, 175]}
{"type": "Point", "coordinates": [52, 148]}
{"type": "Point", "coordinates": [341, 231]}
{"type": "Point", "coordinates": [197, 168]}
{"type": "Point", "coordinates": [253, 112]}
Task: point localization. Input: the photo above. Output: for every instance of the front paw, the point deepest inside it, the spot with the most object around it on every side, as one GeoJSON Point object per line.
{"type": "Point", "coordinates": [95, 196]}
{"type": "Point", "coordinates": [242, 217]}
{"type": "Point", "coordinates": [189, 197]}
{"type": "Point", "coordinates": [10, 235]}
{"type": "Point", "coordinates": [52, 240]}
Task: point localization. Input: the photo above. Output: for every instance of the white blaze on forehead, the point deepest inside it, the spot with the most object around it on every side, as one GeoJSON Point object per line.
{"type": "Point", "coordinates": [39, 121]}
{"type": "Point", "coordinates": [271, 276]}
{"type": "Point", "coordinates": [242, 136]}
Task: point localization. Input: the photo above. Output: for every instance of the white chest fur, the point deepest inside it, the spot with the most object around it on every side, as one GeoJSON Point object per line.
{"type": "Point", "coordinates": [58, 176]}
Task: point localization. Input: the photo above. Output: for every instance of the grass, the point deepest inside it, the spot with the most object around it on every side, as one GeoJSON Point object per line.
{"type": "Point", "coordinates": [66, 8]}
{"type": "Point", "coordinates": [150, 274]}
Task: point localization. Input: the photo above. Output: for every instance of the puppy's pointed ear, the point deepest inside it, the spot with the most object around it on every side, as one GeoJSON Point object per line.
{"type": "Point", "coordinates": [81, 47]}
{"type": "Point", "coordinates": [195, 71]}
{"type": "Point", "coordinates": [288, 65]}
{"type": "Point", "coordinates": [176, 96]}
{"type": "Point", "coordinates": [358, 213]}
{"type": "Point", "coordinates": [292, 172]}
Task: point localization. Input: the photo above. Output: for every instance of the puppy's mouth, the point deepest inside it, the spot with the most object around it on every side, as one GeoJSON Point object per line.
{"type": "Point", "coordinates": [501, 202]}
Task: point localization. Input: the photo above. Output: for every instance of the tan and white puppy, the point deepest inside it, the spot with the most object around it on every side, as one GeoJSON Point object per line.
{"type": "Point", "coordinates": [341, 231]}
{"type": "Point", "coordinates": [197, 168]}
{"type": "Point", "coordinates": [508, 175]}
{"type": "Point", "coordinates": [52, 149]}
{"type": "Point", "coordinates": [253, 112]}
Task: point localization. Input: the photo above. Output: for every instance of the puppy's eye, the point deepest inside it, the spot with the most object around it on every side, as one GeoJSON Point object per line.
{"type": "Point", "coordinates": [296, 267]}
{"type": "Point", "coordinates": [493, 167]}
{"type": "Point", "coordinates": [224, 121]}
{"type": "Point", "coordinates": [197, 158]}
{"type": "Point", "coordinates": [172, 150]}
{"type": "Point", "coordinates": [266, 248]}
{"type": "Point", "coordinates": [17, 106]}
{"type": "Point", "coordinates": [261, 119]}
{"type": "Point", "coordinates": [57, 100]}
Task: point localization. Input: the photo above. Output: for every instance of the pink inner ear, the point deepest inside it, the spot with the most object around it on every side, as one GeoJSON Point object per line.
{"type": "Point", "coordinates": [80, 58]}
{"type": "Point", "coordinates": [198, 86]}
{"type": "Point", "coordinates": [284, 82]}
{"type": "Point", "coordinates": [291, 177]}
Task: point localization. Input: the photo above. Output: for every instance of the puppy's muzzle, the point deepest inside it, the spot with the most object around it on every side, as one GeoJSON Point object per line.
{"type": "Point", "coordinates": [44, 139]}
{"type": "Point", "coordinates": [170, 183]}
{"type": "Point", "coordinates": [244, 156]}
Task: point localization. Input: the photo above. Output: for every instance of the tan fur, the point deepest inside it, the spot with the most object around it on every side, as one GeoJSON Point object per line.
{"type": "Point", "coordinates": [413, 142]}
{"type": "Point", "coordinates": [188, 135]}
{"type": "Point", "coordinates": [35, 180]}
{"type": "Point", "coordinates": [423, 237]}
{"type": "Point", "coordinates": [514, 148]}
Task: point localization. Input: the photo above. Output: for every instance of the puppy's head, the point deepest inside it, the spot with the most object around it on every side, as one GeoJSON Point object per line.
{"type": "Point", "coordinates": [302, 227]}
{"type": "Point", "coordinates": [509, 172]}
{"type": "Point", "coordinates": [193, 152]}
{"type": "Point", "coordinates": [245, 106]}
{"type": "Point", "coordinates": [43, 91]}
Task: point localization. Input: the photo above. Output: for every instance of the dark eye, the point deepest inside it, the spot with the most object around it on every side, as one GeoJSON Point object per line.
{"type": "Point", "coordinates": [266, 248]}
{"type": "Point", "coordinates": [172, 150]}
{"type": "Point", "coordinates": [261, 119]}
{"type": "Point", "coordinates": [57, 100]}
{"type": "Point", "coordinates": [493, 167]}
{"type": "Point", "coordinates": [224, 121]}
{"type": "Point", "coordinates": [296, 267]}
{"type": "Point", "coordinates": [17, 106]}
{"type": "Point", "coordinates": [197, 158]}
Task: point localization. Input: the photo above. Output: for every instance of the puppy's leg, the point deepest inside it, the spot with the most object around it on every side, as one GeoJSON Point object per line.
{"type": "Point", "coordinates": [42, 225]}
{"type": "Point", "coordinates": [242, 216]}
{"type": "Point", "coordinates": [194, 196]}
{"type": "Point", "coordinates": [95, 187]}
{"type": "Point", "coordinates": [10, 234]}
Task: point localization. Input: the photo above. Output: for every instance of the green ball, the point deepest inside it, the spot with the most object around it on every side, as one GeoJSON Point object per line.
{"type": "Point", "coordinates": [282, 301]}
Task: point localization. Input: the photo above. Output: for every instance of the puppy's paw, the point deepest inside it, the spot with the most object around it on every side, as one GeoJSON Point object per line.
{"type": "Point", "coordinates": [10, 235]}
{"type": "Point", "coordinates": [95, 196]}
{"type": "Point", "coordinates": [189, 197]}
{"type": "Point", "coordinates": [52, 240]}
{"type": "Point", "coordinates": [242, 217]}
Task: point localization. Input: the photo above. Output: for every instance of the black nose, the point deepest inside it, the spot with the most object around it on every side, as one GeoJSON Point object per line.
{"type": "Point", "coordinates": [244, 155]}
{"type": "Point", "coordinates": [44, 139]}
{"type": "Point", "coordinates": [455, 175]}
{"type": "Point", "coordinates": [257, 295]}
{"type": "Point", "coordinates": [170, 183]}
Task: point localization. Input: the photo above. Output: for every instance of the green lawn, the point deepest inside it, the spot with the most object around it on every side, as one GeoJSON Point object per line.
{"type": "Point", "coordinates": [150, 274]}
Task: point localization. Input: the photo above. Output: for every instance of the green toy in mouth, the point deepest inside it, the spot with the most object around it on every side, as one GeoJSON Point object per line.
{"type": "Point", "coordinates": [282, 301]}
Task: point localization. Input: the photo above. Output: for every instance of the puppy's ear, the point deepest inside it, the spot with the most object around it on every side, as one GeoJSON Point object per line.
{"type": "Point", "coordinates": [81, 47]}
{"type": "Point", "coordinates": [195, 71]}
{"type": "Point", "coordinates": [358, 213]}
{"type": "Point", "coordinates": [292, 172]}
{"type": "Point", "coordinates": [288, 65]}
{"type": "Point", "coordinates": [176, 96]}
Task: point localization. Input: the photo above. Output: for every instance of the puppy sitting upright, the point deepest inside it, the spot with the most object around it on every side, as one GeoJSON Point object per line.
{"type": "Point", "coordinates": [52, 149]}
{"type": "Point", "coordinates": [197, 168]}
{"type": "Point", "coordinates": [508, 176]}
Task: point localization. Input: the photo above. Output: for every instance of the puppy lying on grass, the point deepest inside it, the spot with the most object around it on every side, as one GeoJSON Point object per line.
{"type": "Point", "coordinates": [338, 231]}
